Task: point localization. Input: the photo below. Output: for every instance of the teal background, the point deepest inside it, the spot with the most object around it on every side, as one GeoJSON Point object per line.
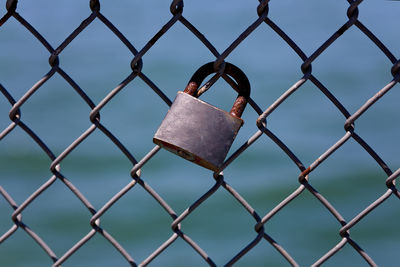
{"type": "Point", "coordinates": [352, 68]}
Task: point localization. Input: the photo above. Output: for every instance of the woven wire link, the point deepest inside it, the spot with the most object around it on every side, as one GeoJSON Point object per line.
{"type": "Point", "coordinates": [260, 220]}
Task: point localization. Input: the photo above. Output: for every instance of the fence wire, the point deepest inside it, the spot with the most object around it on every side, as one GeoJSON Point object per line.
{"type": "Point", "coordinates": [261, 233]}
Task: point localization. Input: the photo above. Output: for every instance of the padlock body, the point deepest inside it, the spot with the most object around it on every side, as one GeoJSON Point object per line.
{"type": "Point", "coordinates": [198, 131]}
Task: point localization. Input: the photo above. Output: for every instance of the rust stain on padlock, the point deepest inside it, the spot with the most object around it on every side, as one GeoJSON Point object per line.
{"type": "Point", "coordinates": [191, 88]}
{"type": "Point", "coordinates": [198, 131]}
{"type": "Point", "coordinates": [238, 106]}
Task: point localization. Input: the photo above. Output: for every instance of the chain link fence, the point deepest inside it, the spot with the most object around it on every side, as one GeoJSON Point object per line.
{"type": "Point", "coordinates": [262, 236]}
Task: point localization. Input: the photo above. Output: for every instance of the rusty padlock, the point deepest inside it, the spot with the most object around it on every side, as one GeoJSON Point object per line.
{"type": "Point", "coordinates": [198, 131]}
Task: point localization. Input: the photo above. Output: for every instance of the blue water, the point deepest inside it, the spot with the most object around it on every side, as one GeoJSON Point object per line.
{"type": "Point", "coordinates": [353, 69]}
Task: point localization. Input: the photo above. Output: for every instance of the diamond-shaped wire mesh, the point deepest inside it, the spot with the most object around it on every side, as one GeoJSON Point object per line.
{"type": "Point", "coordinates": [70, 212]}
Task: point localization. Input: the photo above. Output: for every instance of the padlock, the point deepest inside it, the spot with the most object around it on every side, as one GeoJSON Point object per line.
{"type": "Point", "coordinates": [198, 131]}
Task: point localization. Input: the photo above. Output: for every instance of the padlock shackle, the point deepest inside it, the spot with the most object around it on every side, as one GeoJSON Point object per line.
{"type": "Point", "coordinates": [233, 71]}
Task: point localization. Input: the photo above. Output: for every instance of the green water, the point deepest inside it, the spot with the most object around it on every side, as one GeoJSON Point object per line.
{"type": "Point", "coordinates": [353, 69]}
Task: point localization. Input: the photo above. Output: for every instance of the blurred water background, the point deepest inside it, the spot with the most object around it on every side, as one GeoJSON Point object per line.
{"type": "Point", "coordinates": [353, 69]}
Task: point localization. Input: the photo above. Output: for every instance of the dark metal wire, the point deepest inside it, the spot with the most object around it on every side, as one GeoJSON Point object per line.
{"type": "Point", "coordinates": [261, 233]}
